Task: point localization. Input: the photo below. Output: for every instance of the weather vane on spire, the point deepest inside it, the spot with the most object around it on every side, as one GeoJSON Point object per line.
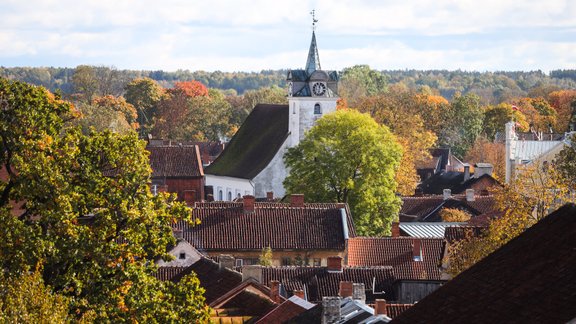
{"type": "Point", "coordinates": [314, 20]}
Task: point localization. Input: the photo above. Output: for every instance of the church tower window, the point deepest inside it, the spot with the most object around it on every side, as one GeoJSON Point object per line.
{"type": "Point", "coordinates": [317, 109]}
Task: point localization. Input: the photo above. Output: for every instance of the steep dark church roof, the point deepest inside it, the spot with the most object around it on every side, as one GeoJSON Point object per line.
{"type": "Point", "coordinates": [531, 279]}
{"type": "Point", "coordinates": [255, 144]}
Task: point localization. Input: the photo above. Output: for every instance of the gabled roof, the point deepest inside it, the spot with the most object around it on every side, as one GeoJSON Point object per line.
{"type": "Point", "coordinates": [397, 252]}
{"type": "Point", "coordinates": [531, 279]}
{"type": "Point", "coordinates": [254, 144]}
{"type": "Point", "coordinates": [217, 281]}
{"type": "Point", "coordinates": [287, 310]}
{"type": "Point", "coordinates": [427, 208]}
{"type": "Point", "coordinates": [175, 161]}
{"type": "Point", "coordinates": [227, 227]}
{"type": "Point", "coordinates": [318, 282]}
{"type": "Point", "coordinates": [454, 180]}
{"type": "Point", "coordinates": [251, 294]}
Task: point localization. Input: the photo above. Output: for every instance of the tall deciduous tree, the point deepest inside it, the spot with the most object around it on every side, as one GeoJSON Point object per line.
{"type": "Point", "coordinates": [359, 82]}
{"type": "Point", "coordinates": [144, 94]}
{"type": "Point", "coordinates": [348, 157]}
{"type": "Point", "coordinates": [80, 207]}
{"type": "Point", "coordinates": [566, 162]}
{"type": "Point", "coordinates": [495, 117]}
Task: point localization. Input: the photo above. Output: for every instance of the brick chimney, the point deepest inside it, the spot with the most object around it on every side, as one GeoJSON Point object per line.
{"type": "Point", "coordinates": [470, 195]}
{"type": "Point", "coordinates": [330, 310]}
{"type": "Point", "coordinates": [275, 291]}
{"type": "Point", "coordinates": [447, 194]}
{"type": "Point", "coordinates": [416, 250]}
{"type": "Point", "coordinates": [334, 264]}
{"type": "Point", "coordinates": [270, 196]}
{"type": "Point", "coordinates": [380, 307]}
{"type": "Point", "coordinates": [346, 289]}
{"type": "Point", "coordinates": [189, 197]}
{"type": "Point", "coordinates": [248, 202]}
{"type": "Point", "coordinates": [296, 200]}
{"type": "Point", "coordinates": [395, 229]}
{"type": "Point", "coordinates": [300, 294]}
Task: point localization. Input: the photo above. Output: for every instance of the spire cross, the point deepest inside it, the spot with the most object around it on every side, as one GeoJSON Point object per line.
{"type": "Point", "coordinates": [314, 20]}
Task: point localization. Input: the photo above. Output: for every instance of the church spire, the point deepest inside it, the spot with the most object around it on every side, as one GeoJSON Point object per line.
{"type": "Point", "coordinates": [313, 62]}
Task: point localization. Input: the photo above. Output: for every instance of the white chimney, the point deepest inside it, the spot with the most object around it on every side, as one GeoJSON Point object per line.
{"type": "Point", "coordinates": [447, 194]}
{"type": "Point", "coordinates": [466, 172]}
{"type": "Point", "coordinates": [470, 195]}
{"type": "Point", "coordinates": [481, 169]}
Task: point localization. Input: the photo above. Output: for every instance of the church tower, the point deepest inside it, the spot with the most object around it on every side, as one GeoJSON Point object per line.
{"type": "Point", "coordinates": [312, 92]}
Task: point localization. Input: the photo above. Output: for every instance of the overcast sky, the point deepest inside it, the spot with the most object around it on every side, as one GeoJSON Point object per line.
{"type": "Point", "coordinates": [242, 35]}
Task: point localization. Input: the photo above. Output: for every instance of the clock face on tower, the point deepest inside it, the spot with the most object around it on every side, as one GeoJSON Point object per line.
{"type": "Point", "coordinates": [319, 88]}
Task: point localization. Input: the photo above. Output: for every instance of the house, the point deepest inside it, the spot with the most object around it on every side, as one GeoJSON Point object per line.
{"type": "Point", "coordinates": [289, 309]}
{"type": "Point", "coordinates": [459, 181]}
{"type": "Point", "coordinates": [252, 162]}
{"type": "Point", "coordinates": [415, 263]}
{"type": "Point", "coordinates": [531, 279]}
{"type": "Point", "coordinates": [530, 148]}
{"type": "Point", "coordinates": [296, 232]}
{"type": "Point", "coordinates": [177, 169]}
{"type": "Point", "coordinates": [427, 208]}
{"type": "Point", "coordinates": [441, 159]}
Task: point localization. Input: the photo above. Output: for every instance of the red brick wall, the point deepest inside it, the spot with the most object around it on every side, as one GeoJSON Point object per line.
{"type": "Point", "coordinates": [179, 185]}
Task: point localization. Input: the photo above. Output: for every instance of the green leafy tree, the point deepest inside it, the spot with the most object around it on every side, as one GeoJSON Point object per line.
{"type": "Point", "coordinates": [462, 123]}
{"type": "Point", "coordinates": [348, 157]}
{"type": "Point", "coordinates": [85, 82]}
{"type": "Point", "coordinates": [359, 82]}
{"type": "Point", "coordinates": [497, 116]}
{"type": "Point", "coordinates": [566, 162]}
{"type": "Point", "coordinates": [25, 299]}
{"type": "Point", "coordinates": [241, 106]}
{"type": "Point", "coordinates": [265, 258]}
{"type": "Point", "coordinates": [144, 94]}
{"type": "Point", "coordinates": [80, 207]}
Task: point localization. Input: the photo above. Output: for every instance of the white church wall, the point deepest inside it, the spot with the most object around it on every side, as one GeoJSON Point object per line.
{"type": "Point", "coordinates": [229, 187]}
{"type": "Point", "coordinates": [272, 176]}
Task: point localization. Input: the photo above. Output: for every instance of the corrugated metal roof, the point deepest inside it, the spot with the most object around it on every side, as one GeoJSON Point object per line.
{"type": "Point", "coordinates": [427, 230]}
{"type": "Point", "coordinates": [529, 150]}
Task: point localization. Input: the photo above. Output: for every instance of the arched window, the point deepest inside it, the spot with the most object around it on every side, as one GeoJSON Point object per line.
{"type": "Point", "coordinates": [220, 195]}
{"type": "Point", "coordinates": [229, 195]}
{"type": "Point", "coordinates": [317, 109]}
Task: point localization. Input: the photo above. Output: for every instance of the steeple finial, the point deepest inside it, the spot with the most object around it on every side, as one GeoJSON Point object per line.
{"type": "Point", "coordinates": [313, 62]}
{"type": "Point", "coordinates": [314, 20]}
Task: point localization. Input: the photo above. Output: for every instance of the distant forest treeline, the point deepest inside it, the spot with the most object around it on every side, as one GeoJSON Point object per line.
{"type": "Point", "coordinates": [491, 87]}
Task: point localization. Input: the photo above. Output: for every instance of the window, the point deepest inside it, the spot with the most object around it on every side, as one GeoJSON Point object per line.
{"type": "Point", "coordinates": [286, 261]}
{"type": "Point", "coordinates": [317, 109]}
{"type": "Point", "coordinates": [239, 262]}
{"type": "Point", "coordinates": [182, 256]}
{"type": "Point", "coordinates": [229, 195]}
{"type": "Point", "coordinates": [316, 262]}
{"type": "Point", "coordinates": [294, 108]}
{"type": "Point", "coordinates": [220, 195]}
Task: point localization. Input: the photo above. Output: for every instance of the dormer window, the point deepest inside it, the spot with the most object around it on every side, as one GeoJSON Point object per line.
{"type": "Point", "coordinates": [317, 109]}
{"type": "Point", "coordinates": [182, 256]}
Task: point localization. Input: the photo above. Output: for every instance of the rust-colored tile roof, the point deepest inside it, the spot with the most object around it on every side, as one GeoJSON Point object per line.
{"type": "Point", "coordinates": [318, 282]}
{"type": "Point", "coordinates": [217, 281]}
{"type": "Point", "coordinates": [226, 227]}
{"type": "Point", "coordinates": [427, 208]}
{"type": "Point", "coordinates": [457, 233]}
{"type": "Point", "coordinates": [397, 252]}
{"type": "Point", "coordinates": [394, 310]}
{"type": "Point", "coordinates": [175, 161]}
{"type": "Point", "coordinates": [293, 307]}
{"type": "Point", "coordinates": [531, 279]}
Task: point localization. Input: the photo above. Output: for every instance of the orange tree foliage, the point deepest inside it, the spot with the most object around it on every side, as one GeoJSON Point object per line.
{"type": "Point", "coordinates": [531, 196]}
{"type": "Point", "coordinates": [538, 113]}
{"type": "Point", "coordinates": [562, 101]}
{"type": "Point", "coordinates": [399, 110]}
{"type": "Point", "coordinates": [192, 88]}
{"type": "Point", "coordinates": [485, 151]}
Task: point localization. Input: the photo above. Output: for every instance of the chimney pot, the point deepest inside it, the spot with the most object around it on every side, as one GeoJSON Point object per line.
{"type": "Point", "coordinates": [466, 172]}
{"type": "Point", "coordinates": [395, 229]}
{"type": "Point", "coordinates": [297, 200]}
{"type": "Point", "coordinates": [470, 195]}
{"type": "Point", "coordinates": [447, 194]}
{"type": "Point", "coordinates": [270, 196]}
{"type": "Point", "coordinates": [334, 264]}
{"type": "Point", "coordinates": [248, 202]}
{"type": "Point", "coordinates": [380, 307]}
{"type": "Point", "coordinates": [346, 289]}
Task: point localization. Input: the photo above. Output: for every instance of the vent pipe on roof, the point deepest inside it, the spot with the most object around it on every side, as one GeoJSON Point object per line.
{"type": "Point", "coordinates": [344, 223]}
{"type": "Point", "coordinates": [470, 195]}
{"type": "Point", "coordinates": [466, 172]}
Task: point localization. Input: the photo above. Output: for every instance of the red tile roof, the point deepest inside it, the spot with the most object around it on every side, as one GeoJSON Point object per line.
{"type": "Point", "coordinates": [226, 227]}
{"type": "Point", "coordinates": [285, 311]}
{"type": "Point", "coordinates": [317, 282]}
{"type": "Point", "coordinates": [175, 161]}
{"type": "Point", "coordinates": [397, 252]}
{"type": "Point", "coordinates": [531, 279]}
{"type": "Point", "coordinates": [394, 310]}
{"type": "Point", "coordinates": [215, 280]}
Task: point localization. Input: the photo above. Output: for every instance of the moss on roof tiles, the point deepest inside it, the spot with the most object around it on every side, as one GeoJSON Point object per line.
{"type": "Point", "coordinates": [254, 144]}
